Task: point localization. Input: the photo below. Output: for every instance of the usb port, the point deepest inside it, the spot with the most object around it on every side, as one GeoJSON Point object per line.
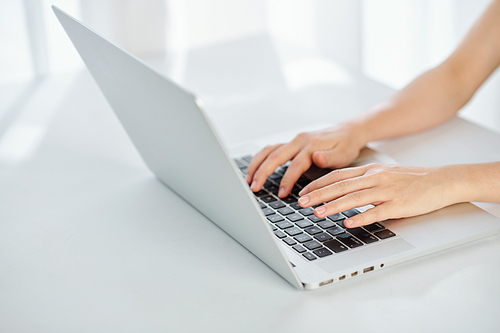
{"type": "Point", "coordinates": [354, 273]}
{"type": "Point", "coordinates": [342, 278]}
{"type": "Point", "coordinates": [325, 282]}
{"type": "Point", "coordinates": [368, 269]}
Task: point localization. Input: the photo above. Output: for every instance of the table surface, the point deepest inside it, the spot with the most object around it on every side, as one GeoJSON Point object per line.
{"type": "Point", "coordinates": [91, 241]}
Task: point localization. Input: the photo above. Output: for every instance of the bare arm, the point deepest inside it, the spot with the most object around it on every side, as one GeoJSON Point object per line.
{"type": "Point", "coordinates": [435, 96]}
{"type": "Point", "coordinates": [431, 99]}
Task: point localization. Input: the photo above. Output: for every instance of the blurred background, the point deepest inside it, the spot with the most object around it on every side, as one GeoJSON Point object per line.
{"type": "Point", "coordinates": [390, 41]}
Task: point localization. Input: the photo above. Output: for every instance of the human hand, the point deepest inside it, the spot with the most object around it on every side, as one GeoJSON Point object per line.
{"type": "Point", "coordinates": [331, 148]}
{"type": "Point", "coordinates": [396, 191]}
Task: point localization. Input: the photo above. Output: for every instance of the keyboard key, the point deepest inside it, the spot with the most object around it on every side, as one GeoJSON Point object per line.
{"type": "Point", "coordinates": [362, 235]}
{"type": "Point", "coordinates": [289, 241]}
{"type": "Point", "coordinates": [268, 198]}
{"type": "Point", "coordinates": [322, 252]}
{"type": "Point", "coordinates": [335, 246]}
{"type": "Point", "coordinates": [302, 238]}
{"type": "Point", "coordinates": [309, 256]}
{"type": "Point", "coordinates": [272, 188]}
{"type": "Point", "coordinates": [275, 218]}
{"type": "Point", "coordinates": [303, 181]}
{"type": "Point", "coordinates": [296, 189]}
{"type": "Point", "coordinates": [385, 234]}
{"type": "Point", "coordinates": [304, 223]}
{"type": "Point", "coordinates": [374, 227]}
{"type": "Point", "coordinates": [247, 158]}
{"type": "Point", "coordinates": [269, 183]}
{"type": "Point", "coordinates": [295, 205]}
{"type": "Point", "coordinates": [294, 217]}
{"type": "Point", "coordinates": [313, 230]}
{"type": "Point", "coordinates": [273, 227]}
{"type": "Point", "coordinates": [280, 234]}
{"type": "Point", "coordinates": [326, 224]}
{"type": "Point", "coordinates": [306, 211]}
{"type": "Point", "coordinates": [335, 230]}
{"type": "Point", "coordinates": [323, 237]}
{"type": "Point", "coordinates": [351, 212]}
{"type": "Point", "coordinates": [349, 240]}
{"type": "Point", "coordinates": [289, 199]}
{"type": "Point", "coordinates": [299, 248]}
{"type": "Point", "coordinates": [281, 170]}
{"type": "Point", "coordinates": [312, 245]}
{"type": "Point", "coordinates": [240, 163]}
{"type": "Point", "coordinates": [277, 204]}
{"type": "Point", "coordinates": [341, 224]}
{"type": "Point", "coordinates": [316, 219]}
{"type": "Point", "coordinates": [284, 224]}
{"type": "Point", "coordinates": [286, 211]}
{"type": "Point", "coordinates": [267, 211]}
{"type": "Point", "coordinates": [337, 217]}
{"type": "Point", "coordinates": [262, 205]}
{"type": "Point", "coordinates": [294, 231]}
{"type": "Point", "coordinates": [275, 176]}
{"type": "Point", "coordinates": [260, 193]}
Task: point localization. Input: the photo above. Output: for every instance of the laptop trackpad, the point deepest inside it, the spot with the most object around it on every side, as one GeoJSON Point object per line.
{"type": "Point", "coordinates": [379, 251]}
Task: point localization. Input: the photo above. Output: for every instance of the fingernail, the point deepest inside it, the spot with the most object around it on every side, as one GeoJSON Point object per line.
{"type": "Point", "coordinates": [281, 192]}
{"type": "Point", "coordinates": [254, 185]}
{"type": "Point", "coordinates": [348, 222]}
{"type": "Point", "coordinates": [247, 178]}
{"type": "Point", "coordinates": [303, 191]}
{"type": "Point", "coordinates": [320, 210]}
{"type": "Point", "coordinates": [304, 200]}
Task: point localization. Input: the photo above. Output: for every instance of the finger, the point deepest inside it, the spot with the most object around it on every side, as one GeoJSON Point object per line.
{"type": "Point", "coordinates": [349, 201]}
{"type": "Point", "coordinates": [376, 214]}
{"type": "Point", "coordinates": [276, 158]}
{"type": "Point", "coordinates": [337, 190]}
{"type": "Point", "coordinates": [257, 161]}
{"type": "Point", "coordinates": [333, 177]}
{"type": "Point", "coordinates": [333, 158]}
{"type": "Point", "coordinates": [300, 164]}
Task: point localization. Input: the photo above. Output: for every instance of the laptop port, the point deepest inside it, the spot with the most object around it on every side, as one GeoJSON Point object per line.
{"type": "Point", "coordinates": [325, 282]}
{"type": "Point", "coordinates": [368, 269]}
{"type": "Point", "coordinates": [354, 273]}
{"type": "Point", "coordinates": [342, 278]}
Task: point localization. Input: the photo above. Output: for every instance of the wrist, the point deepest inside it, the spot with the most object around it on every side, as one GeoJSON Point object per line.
{"type": "Point", "coordinates": [356, 131]}
{"type": "Point", "coordinates": [458, 183]}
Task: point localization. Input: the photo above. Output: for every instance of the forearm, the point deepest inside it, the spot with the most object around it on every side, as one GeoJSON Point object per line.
{"type": "Point", "coordinates": [431, 99]}
{"type": "Point", "coordinates": [437, 95]}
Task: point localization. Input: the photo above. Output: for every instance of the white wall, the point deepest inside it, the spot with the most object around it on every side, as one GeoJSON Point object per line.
{"type": "Point", "coordinates": [389, 40]}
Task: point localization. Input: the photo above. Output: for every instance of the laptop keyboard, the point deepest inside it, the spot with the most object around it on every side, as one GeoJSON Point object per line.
{"type": "Point", "coordinates": [300, 229]}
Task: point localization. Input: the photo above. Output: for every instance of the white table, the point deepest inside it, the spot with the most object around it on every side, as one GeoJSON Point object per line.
{"type": "Point", "coordinates": [91, 241]}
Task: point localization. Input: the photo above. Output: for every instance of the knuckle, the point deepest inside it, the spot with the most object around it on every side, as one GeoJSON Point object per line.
{"type": "Point", "coordinates": [361, 219]}
{"type": "Point", "coordinates": [356, 196]}
{"type": "Point", "coordinates": [299, 166]}
{"type": "Point", "coordinates": [343, 185]}
{"type": "Point", "coordinates": [375, 213]}
{"type": "Point", "coordinates": [331, 206]}
{"type": "Point", "coordinates": [314, 142]}
{"type": "Point", "coordinates": [302, 136]}
{"type": "Point", "coordinates": [335, 174]}
{"type": "Point", "coordinates": [317, 196]}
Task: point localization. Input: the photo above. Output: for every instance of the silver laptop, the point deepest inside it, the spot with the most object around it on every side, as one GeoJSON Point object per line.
{"type": "Point", "coordinates": [179, 144]}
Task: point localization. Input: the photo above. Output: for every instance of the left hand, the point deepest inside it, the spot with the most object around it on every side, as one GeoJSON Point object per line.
{"type": "Point", "coordinates": [396, 191]}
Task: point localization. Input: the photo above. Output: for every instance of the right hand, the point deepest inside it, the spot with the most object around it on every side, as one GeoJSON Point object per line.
{"type": "Point", "coordinates": [333, 148]}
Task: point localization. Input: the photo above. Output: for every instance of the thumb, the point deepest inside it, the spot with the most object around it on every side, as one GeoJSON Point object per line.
{"type": "Point", "coordinates": [333, 158]}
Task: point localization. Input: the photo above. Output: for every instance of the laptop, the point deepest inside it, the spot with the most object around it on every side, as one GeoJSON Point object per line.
{"type": "Point", "coordinates": [179, 144]}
